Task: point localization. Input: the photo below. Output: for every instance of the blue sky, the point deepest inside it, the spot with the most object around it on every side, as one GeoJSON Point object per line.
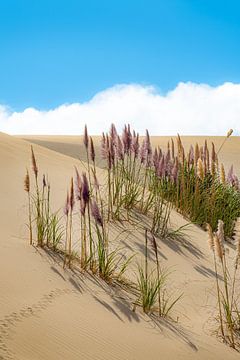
{"type": "Point", "coordinates": [55, 52]}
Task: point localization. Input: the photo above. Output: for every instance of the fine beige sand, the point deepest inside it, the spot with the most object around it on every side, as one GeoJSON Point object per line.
{"type": "Point", "coordinates": [72, 146]}
{"type": "Point", "coordinates": [48, 313]}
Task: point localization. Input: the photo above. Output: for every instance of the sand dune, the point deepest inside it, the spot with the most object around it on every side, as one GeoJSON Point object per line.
{"type": "Point", "coordinates": [48, 313]}
{"type": "Point", "coordinates": [72, 146]}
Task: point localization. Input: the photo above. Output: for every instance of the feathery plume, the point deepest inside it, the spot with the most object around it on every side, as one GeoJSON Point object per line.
{"type": "Point", "coordinates": [220, 235]}
{"type": "Point", "coordinates": [218, 247]}
{"type": "Point", "coordinates": [67, 205]}
{"type": "Point", "coordinates": [179, 145]}
{"type": "Point", "coordinates": [161, 167]}
{"type": "Point", "coordinates": [196, 154]}
{"type": "Point", "coordinates": [174, 172]}
{"type": "Point", "coordinates": [127, 139]}
{"type": "Point", "coordinates": [113, 134]}
{"type": "Point", "coordinates": [34, 163]}
{"type": "Point", "coordinates": [85, 189]}
{"type": "Point", "coordinates": [85, 137]}
{"type": "Point", "coordinates": [27, 182]}
{"type": "Point", "coordinates": [200, 169]}
{"type": "Point", "coordinates": [172, 148]}
{"type": "Point", "coordinates": [119, 149]}
{"type": "Point", "coordinates": [229, 133]}
{"type": "Point", "coordinates": [155, 158]}
{"type": "Point", "coordinates": [92, 150]}
{"type": "Point", "coordinates": [207, 159]}
{"type": "Point", "coordinates": [71, 197]}
{"type": "Point", "coordinates": [148, 146]}
{"type": "Point", "coordinates": [191, 156]}
{"type": "Point", "coordinates": [143, 152]}
{"type": "Point", "coordinates": [135, 145]}
{"type": "Point", "coordinates": [96, 213]}
{"type": "Point", "coordinates": [222, 174]}
{"type": "Point", "coordinates": [213, 153]}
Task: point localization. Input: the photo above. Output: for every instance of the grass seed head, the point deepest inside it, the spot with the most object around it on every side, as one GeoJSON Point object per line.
{"type": "Point", "coordinates": [34, 163]}
{"type": "Point", "coordinates": [96, 213]}
{"type": "Point", "coordinates": [27, 182]}
{"type": "Point", "coordinates": [67, 205]}
{"type": "Point", "coordinates": [229, 133]}
{"type": "Point", "coordinates": [222, 174]}
{"type": "Point", "coordinates": [220, 235]}
{"type": "Point", "coordinates": [85, 137]}
{"type": "Point", "coordinates": [218, 247]}
{"type": "Point", "coordinates": [71, 197]}
{"type": "Point", "coordinates": [200, 169]}
{"type": "Point", "coordinates": [92, 150]}
{"type": "Point", "coordinates": [85, 189]}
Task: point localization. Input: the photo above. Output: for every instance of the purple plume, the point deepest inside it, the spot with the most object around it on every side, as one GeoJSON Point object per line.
{"type": "Point", "coordinates": [85, 137]}
{"type": "Point", "coordinates": [96, 213]}
{"type": "Point", "coordinates": [174, 174]}
{"type": "Point", "coordinates": [85, 189]}
{"type": "Point", "coordinates": [148, 146]}
{"type": "Point", "coordinates": [92, 150]}
{"type": "Point", "coordinates": [113, 134]}
{"type": "Point", "coordinates": [143, 152]}
{"type": "Point", "coordinates": [66, 206]}
{"type": "Point", "coordinates": [119, 149]}
{"type": "Point", "coordinates": [127, 139]}
{"type": "Point", "coordinates": [155, 158]}
{"type": "Point", "coordinates": [191, 155]}
{"type": "Point", "coordinates": [135, 145]}
{"type": "Point", "coordinates": [71, 197]}
{"type": "Point", "coordinates": [161, 167]}
{"type": "Point", "coordinates": [34, 163]}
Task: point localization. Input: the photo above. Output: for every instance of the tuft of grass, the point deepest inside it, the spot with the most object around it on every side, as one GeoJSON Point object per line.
{"type": "Point", "coordinates": [228, 302]}
{"type": "Point", "coordinates": [152, 286]}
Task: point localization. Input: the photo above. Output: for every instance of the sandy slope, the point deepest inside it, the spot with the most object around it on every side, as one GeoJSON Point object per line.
{"type": "Point", "coordinates": [71, 145]}
{"type": "Point", "coordinates": [48, 313]}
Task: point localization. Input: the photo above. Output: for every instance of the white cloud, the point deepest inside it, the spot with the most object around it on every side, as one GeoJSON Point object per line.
{"type": "Point", "coordinates": [189, 109]}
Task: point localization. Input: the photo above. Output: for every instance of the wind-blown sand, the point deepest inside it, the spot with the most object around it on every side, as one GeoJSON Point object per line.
{"type": "Point", "coordinates": [48, 313]}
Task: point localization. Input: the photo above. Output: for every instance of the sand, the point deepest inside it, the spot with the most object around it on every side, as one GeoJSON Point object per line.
{"type": "Point", "coordinates": [49, 313]}
{"type": "Point", "coordinates": [72, 146]}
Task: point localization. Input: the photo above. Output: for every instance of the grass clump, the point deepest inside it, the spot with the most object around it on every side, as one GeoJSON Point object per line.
{"type": "Point", "coordinates": [152, 285]}
{"type": "Point", "coordinates": [227, 298]}
{"type": "Point", "coordinates": [45, 228]}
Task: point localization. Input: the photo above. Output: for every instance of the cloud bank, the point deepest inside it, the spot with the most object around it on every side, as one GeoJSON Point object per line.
{"type": "Point", "coordinates": [189, 109]}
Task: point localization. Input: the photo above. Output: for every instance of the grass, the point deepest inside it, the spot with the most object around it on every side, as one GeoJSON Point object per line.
{"type": "Point", "coordinates": [151, 182]}
{"type": "Point", "coordinates": [227, 298]}
{"type": "Point", "coordinates": [152, 285]}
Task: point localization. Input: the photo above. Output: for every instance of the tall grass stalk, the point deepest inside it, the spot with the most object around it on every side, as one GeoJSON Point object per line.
{"type": "Point", "coordinates": [27, 189]}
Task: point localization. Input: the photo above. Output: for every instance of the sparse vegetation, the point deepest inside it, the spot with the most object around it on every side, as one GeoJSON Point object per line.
{"type": "Point", "coordinates": [151, 183]}
{"type": "Point", "coordinates": [227, 298]}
